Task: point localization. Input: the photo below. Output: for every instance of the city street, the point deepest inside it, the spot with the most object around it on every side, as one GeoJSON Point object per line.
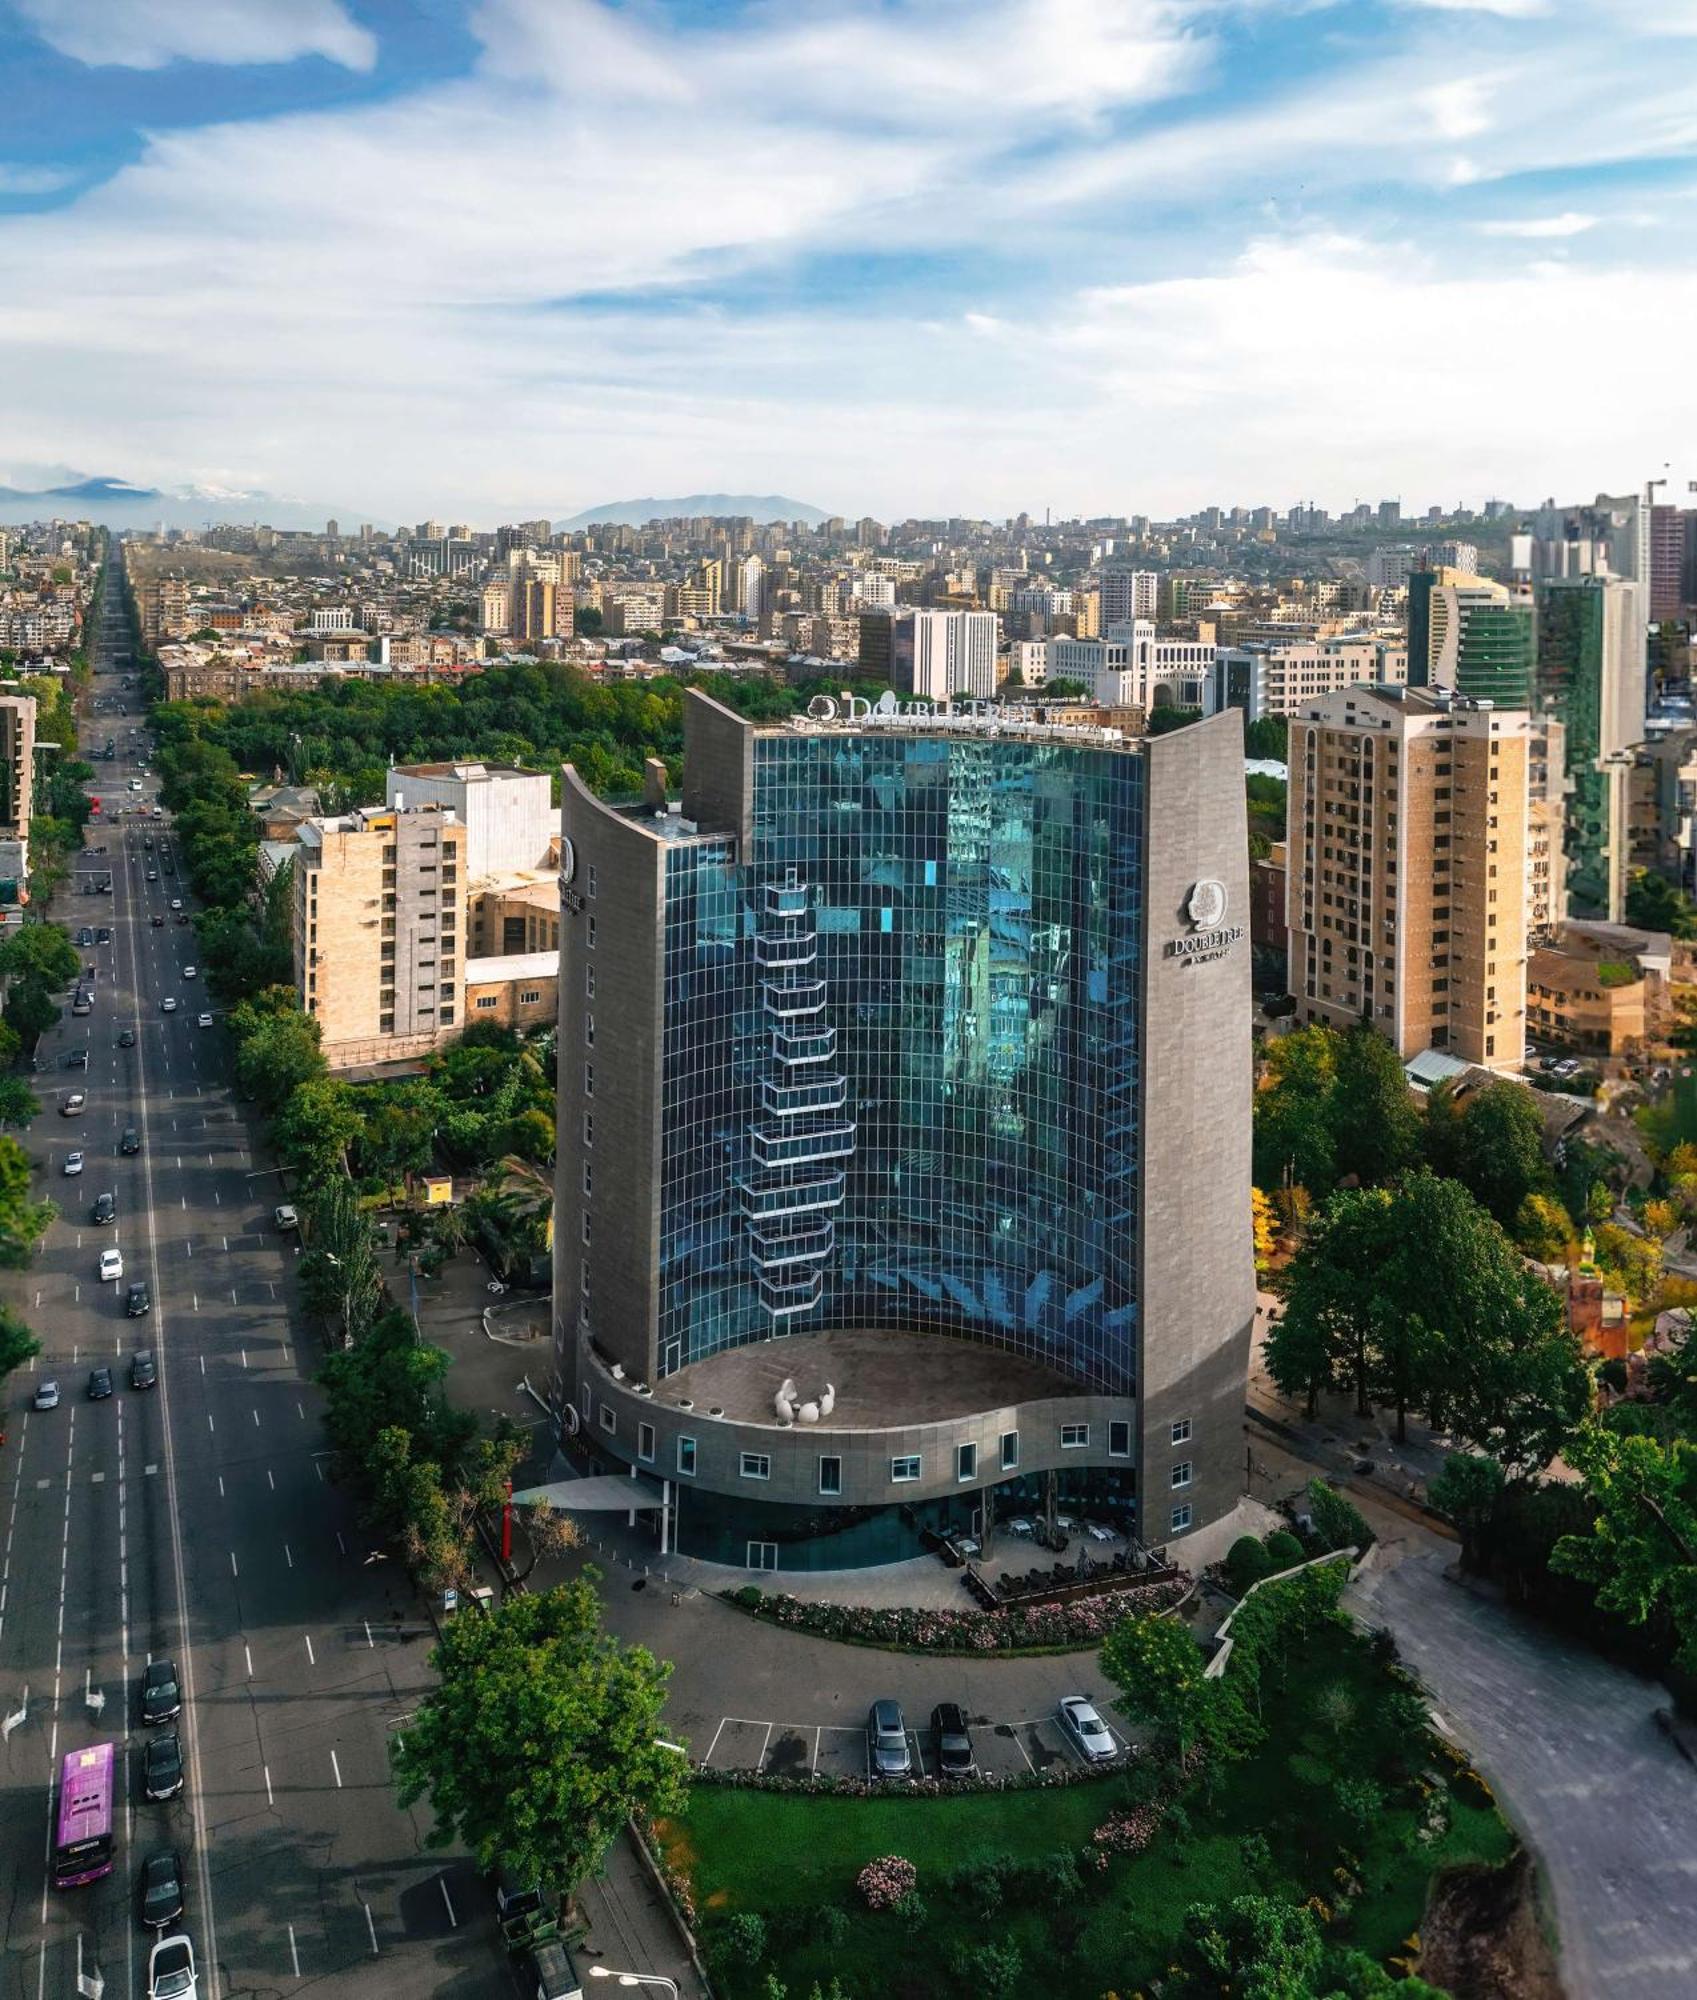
{"type": "Point", "coordinates": [194, 1520]}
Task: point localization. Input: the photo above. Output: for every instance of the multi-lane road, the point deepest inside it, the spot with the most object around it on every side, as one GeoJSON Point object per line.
{"type": "Point", "coordinates": [196, 1520]}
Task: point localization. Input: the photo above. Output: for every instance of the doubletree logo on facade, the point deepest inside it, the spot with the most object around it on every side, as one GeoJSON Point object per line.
{"type": "Point", "coordinates": [1209, 937]}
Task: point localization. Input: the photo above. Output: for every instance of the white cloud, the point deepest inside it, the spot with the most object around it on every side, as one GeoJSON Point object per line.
{"type": "Point", "coordinates": [1535, 226]}
{"type": "Point", "coordinates": [148, 34]}
{"type": "Point", "coordinates": [380, 305]}
{"type": "Point", "coordinates": [17, 179]}
{"type": "Point", "coordinates": [1509, 10]}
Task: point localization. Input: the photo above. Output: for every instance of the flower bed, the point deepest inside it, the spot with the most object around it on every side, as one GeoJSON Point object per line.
{"type": "Point", "coordinates": [829, 1784]}
{"type": "Point", "coordinates": [1009, 1629]}
{"type": "Point", "coordinates": [886, 1881]}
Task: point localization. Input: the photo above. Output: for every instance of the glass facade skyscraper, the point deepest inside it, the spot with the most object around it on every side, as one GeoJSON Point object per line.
{"type": "Point", "coordinates": [864, 1047]}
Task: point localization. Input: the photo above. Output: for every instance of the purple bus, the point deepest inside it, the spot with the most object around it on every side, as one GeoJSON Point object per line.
{"type": "Point", "coordinates": [82, 1843]}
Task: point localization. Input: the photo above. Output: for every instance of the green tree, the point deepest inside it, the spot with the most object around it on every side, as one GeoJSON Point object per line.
{"type": "Point", "coordinates": [19, 1105]}
{"type": "Point", "coordinates": [1164, 720]}
{"type": "Point", "coordinates": [1159, 1669]}
{"type": "Point", "coordinates": [1467, 1490]}
{"type": "Point", "coordinates": [40, 954]}
{"type": "Point", "coordinates": [1642, 1550]}
{"type": "Point", "coordinates": [1333, 1306]}
{"type": "Point", "coordinates": [17, 1343]}
{"type": "Point", "coordinates": [1655, 904]}
{"type": "Point", "coordinates": [390, 1380]}
{"type": "Point", "coordinates": [339, 1274]}
{"type": "Point", "coordinates": [23, 1220]}
{"type": "Point", "coordinates": [1375, 1127]}
{"type": "Point", "coordinates": [1252, 1948]}
{"type": "Point", "coordinates": [540, 1678]}
{"type": "Point", "coordinates": [315, 1128]}
{"type": "Point", "coordinates": [277, 1048]}
{"type": "Point", "coordinates": [1293, 1126]}
{"type": "Point", "coordinates": [1542, 1229]}
{"type": "Point", "coordinates": [1494, 1146]}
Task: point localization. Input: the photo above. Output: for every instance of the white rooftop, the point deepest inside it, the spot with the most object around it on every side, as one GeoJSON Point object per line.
{"type": "Point", "coordinates": [516, 965]}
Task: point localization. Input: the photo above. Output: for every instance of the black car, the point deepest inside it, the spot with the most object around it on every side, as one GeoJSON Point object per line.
{"type": "Point", "coordinates": [158, 923]}
{"type": "Point", "coordinates": [77, 1059]}
{"type": "Point", "coordinates": [105, 1209]}
{"type": "Point", "coordinates": [103, 935]}
{"type": "Point", "coordinates": [139, 1300]}
{"type": "Point", "coordinates": [161, 1698]}
{"type": "Point", "coordinates": [161, 1889]}
{"type": "Point", "coordinates": [951, 1739]}
{"type": "Point", "coordinates": [131, 1140]}
{"type": "Point", "coordinates": [99, 1384]}
{"type": "Point", "coordinates": [162, 1766]}
{"type": "Point", "coordinates": [85, 937]}
{"type": "Point", "coordinates": [144, 1370]}
{"type": "Point", "coordinates": [127, 1038]}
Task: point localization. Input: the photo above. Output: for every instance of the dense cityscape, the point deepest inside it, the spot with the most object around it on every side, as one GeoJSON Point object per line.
{"type": "Point", "coordinates": [916, 1219]}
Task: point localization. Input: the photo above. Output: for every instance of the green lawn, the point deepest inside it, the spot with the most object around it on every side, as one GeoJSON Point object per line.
{"type": "Point", "coordinates": [785, 1856]}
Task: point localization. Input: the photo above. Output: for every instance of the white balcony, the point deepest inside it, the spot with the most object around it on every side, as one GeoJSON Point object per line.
{"type": "Point", "coordinates": [798, 1100]}
{"type": "Point", "coordinates": [807, 1193]}
{"type": "Point", "coordinates": [778, 953]}
{"type": "Point", "coordinates": [786, 1146]}
{"type": "Point", "coordinates": [805, 996]}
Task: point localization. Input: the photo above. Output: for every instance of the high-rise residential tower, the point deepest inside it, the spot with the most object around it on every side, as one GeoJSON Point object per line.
{"type": "Point", "coordinates": [903, 1175]}
{"type": "Point", "coordinates": [1471, 635]}
{"type": "Point", "coordinates": [1408, 879]}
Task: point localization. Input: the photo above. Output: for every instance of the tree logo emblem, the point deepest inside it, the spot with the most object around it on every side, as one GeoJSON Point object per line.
{"type": "Point", "coordinates": [1206, 905]}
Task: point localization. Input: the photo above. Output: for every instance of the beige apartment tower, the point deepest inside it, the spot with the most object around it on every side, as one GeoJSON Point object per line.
{"type": "Point", "coordinates": [379, 931]}
{"type": "Point", "coordinates": [1408, 887]}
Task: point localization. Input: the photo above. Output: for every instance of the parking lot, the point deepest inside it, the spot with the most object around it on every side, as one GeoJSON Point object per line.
{"type": "Point", "coordinates": [799, 1750]}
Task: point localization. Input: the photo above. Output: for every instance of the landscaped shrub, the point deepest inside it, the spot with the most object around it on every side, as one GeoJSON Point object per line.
{"type": "Point", "coordinates": [1013, 1628]}
{"type": "Point", "coordinates": [1126, 1832]}
{"type": "Point", "coordinates": [886, 1881]}
{"type": "Point", "coordinates": [742, 1938]}
{"type": "Point", "coordinates": [1246, 1563]}
{"type": "Point", "coordinates": [1338, 1523]}
{"type": "Point", "coordinates": [989, 1971]}
{"type": "Point", "coordinates": [1284, 1548]}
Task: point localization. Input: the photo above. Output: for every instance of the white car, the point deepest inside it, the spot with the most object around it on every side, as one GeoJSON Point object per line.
{"type": "Point", "coordinates": [188, 972]}
{"type": "Point", "coordinates": [286, 1218]}
{"type": "Point", "coordinates": [170, 1970]}
{"type": "Point", "coordinates": [176, 902]}
{"type": "Point", "coordinates": [111, 1263]}
{"type": "Point", "coordinates": [1091, 1735]}
{"type": "Point", "coordinates": [73, 1163]}
{"type": "Point", "coordinates": [205, 1021]}
{"type": "Point", "coordinates": [167, 1005]}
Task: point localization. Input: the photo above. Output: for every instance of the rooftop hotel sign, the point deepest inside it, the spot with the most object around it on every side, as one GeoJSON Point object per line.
{"type": "Point", "coordinates": [1209, 936]}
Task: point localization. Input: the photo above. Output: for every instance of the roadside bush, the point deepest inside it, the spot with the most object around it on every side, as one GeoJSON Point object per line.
{"type": "Point", "coordinates": [742, 1938]}
{"type": "Point", "coordinates": [1247, 1562]}
{"type": "Point", "coordinates": [1338, 1522]}
{"type": "Point", "coordinates": [1284, 1549]}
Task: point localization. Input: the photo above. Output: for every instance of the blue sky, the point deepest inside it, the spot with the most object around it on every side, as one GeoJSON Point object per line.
{"type": "Point", "coordinates": [429, 256]}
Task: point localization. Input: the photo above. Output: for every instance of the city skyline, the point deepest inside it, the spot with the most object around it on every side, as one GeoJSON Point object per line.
{"type": "Point", "coordinates": [906, 261]}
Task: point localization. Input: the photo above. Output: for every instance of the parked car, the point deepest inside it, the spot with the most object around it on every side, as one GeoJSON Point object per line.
{"type": "Point", "coordinates": [162, 1766]}
{"type": "Point", "coordinates": [144, 1370]}
{"type": "Point", "coordinates": [103, 935]}
{"type": "Point", "coordinates": [111, 1263]}
{"type": "Point", "coordinates": [46, 1396]}
{"type": "Point", "coordinates": [285, 1217]}
{"type": "Point", "coordinates": [137, 1303]}
{"type": "Point", "coordinates": [1092, 1736]}
{"type": "Point", "coordinates": [82, 1004]}
{"type": "Point", "coordinates": [887, 1754]}
{"type": "Point", "coordinates": [105, 1209]}
{"type": "Point", "coordinates": [77, 1059]}
{"type": "Point", "coordinates": [161, 1698]}
{"type": "Point", "coordinates": [171, 1970]}
{"type": "Point", "coordinates": [99, 1384]}
{"type": "Point", "coordinates": [161, 1889]}
{"type": "Point", "coordinates": [550, 1973]}
{"type": "Point", "coordinates": [85, 936]}
{"type": "Point", "coordinates": [951, 1740]}
{"type": "Point", "coordinates": [73, 1164]}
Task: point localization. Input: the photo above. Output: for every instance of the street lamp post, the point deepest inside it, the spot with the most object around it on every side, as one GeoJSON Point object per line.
{"type": "Point", "coordinates": [636, 1978]}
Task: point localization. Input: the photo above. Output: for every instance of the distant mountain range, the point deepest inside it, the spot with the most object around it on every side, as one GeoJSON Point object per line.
{"type": "Point", "coordinates": [756, 506]}
{"type": "Point", "coordinates": [118, 503]}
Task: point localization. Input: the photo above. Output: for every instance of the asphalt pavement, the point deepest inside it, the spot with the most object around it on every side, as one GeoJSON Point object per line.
{"type": "Point", "coordinates": [195, 1520]}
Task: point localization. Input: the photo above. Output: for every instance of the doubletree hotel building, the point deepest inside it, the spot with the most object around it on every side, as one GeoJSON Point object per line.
{"type": "Point", "coordinates": [904, 1130]}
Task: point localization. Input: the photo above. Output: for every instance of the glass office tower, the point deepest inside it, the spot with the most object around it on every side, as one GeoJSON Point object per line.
{"type": "Point", "coordinates": [856, 1166]}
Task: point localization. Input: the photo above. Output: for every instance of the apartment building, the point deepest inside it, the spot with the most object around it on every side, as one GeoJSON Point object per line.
{"type": "Point", "coordinates": [1135, 666]}
{"type": "Point", "coordinates": [936, 654]}
{"type": "Point", "coordinates": [1470, 634]}
{"type": "Point", "coordinates": [1408, 879]}
{"type": "Point", "coordinates": [379, 930]}
{"type": "Point", "coordinates": [17, 764]}
{"type": "Point", "coordinates": [1278, 679]}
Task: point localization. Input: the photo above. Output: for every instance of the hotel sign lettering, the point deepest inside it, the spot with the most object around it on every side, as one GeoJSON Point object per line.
{"type": "Point", "coordinates": [1209, 936]}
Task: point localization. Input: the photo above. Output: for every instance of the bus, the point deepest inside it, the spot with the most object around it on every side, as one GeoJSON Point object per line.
{"type": "Point", "coordinates": [82, 1841]}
